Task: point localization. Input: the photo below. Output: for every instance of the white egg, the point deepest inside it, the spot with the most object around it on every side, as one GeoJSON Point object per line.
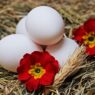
{"type": "Point", "coordinates": [21, 28]}
{"type": "Point", "coordinates": [63, 50]}
{"type": "Point", "coordinates": [45, 25]}
{"type": "Point", "coordinates": [12, 49]}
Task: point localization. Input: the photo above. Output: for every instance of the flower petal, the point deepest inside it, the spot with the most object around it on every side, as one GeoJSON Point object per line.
{"type": "Point", "coordinates": [78, 34]}
{"type": "Point", "coordinates": [23, 76]}
{"type": "Point", "coordinates": [32, 84]}
{"type": "Point", "coordinates": [56, 66]}
{"type": "Point", "coordinates": [36, 57]}
{"type": "Point", "coordinates": [89, 25]}
{"type": "Point", "coordinates": [25, 64]}
{"type": "Point", "coordinates": [48, 61]}
{"type": "Point", "coordinates": [45, 58]}
{"type": "Point", "coordinates": [47, 79]}
{"type": "Point", "coordinates": [23, 68]}
{"type": "Point", "coordinates": [90, 51]}
{"type": "Point", "coordinates": [52, 67]}
{"type": "Point", "coordinates": [25, 59]}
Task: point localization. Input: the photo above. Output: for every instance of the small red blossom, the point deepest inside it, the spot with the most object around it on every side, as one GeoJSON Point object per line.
{"type": "Point", "coordinates": [37, 69]}
{"type": "Point", "coordinates": [85, 34]}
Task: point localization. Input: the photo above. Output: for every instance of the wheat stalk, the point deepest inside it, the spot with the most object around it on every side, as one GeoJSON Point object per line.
{"type": "Point", "coordinates": [70, 66]}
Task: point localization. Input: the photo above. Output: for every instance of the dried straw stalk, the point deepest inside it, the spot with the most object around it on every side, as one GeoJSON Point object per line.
{"type": "Point", "coordinates": [71, 66]}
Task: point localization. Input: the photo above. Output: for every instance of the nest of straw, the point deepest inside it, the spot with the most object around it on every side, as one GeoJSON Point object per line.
{"type": "Point", "coordinates": [67, 81]}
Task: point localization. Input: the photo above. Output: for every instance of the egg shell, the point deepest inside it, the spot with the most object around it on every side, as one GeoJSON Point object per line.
{"type": "Point", "coordinates": [45, 25]}
{"type": "Point", "coordinates": [63, 50]}
{"type": "Point", "coordinates": [21, 28]}
{"type": "Point", "coordinates": [12, 49]}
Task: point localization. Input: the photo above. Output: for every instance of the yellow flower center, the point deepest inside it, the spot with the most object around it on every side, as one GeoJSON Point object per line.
{"type": "Point", "coordinates": [89, 39]}
{"type": "Point", "coordinates": [37, 71]}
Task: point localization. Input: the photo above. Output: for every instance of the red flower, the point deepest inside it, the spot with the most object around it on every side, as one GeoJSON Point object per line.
{"type": "Point", "coordinates": [37, 69]}
{"type": "Point", "coordinates": [85, 34]}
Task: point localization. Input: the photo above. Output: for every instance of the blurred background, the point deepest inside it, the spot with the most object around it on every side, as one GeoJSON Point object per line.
{"type": "Point", "coordinates": [74, 12]}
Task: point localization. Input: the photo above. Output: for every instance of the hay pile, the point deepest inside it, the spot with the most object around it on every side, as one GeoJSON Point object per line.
{"type": "Point", "coordinates": [74, 12]}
